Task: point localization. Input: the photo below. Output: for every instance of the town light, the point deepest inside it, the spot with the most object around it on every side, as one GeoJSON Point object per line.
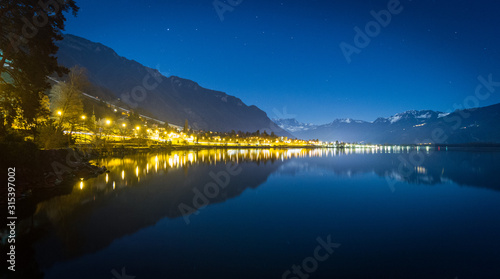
{"type": "Point", "coordinates": [83, 117]}
{"type": "Point", "coordinates": [59, 112]}
{"type": "Point", "coordinates": [108, 122]}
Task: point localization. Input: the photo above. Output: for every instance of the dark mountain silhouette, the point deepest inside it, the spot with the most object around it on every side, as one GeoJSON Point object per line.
{"type": "Point", "coordinates": [479, 125]}
{"type": "Point", "coordinates": [170, 99]}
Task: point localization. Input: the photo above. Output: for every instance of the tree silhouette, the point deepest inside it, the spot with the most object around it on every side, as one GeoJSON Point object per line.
{"type": "Point", "coordinates": [186, 126]}
{"type": "Point", "coordinates": [66, 98]}
{"type": "Point", "coordinates": [28, 31]}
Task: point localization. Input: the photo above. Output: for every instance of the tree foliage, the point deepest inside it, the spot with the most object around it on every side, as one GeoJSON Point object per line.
{"type": "Point", "coordinates": [67, 99]}
{"type": "Point", "coordinates": [50, 137]}
{"type": "Point", "coordinates": [28, 31]}
{"type": "Point", "coordinates": [186, 126]}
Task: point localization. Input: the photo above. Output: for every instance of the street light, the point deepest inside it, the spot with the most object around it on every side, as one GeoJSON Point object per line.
{"type": "Point", "coordinates": [108, 122]}
{"type": "Point", "coordinates": [83, 124]}
{"type": "Point", "coordinates": [123, 132]}
{"type": "Point", "coordinates": [137, 129]}
{"type": "Point", "coordinates": [59, 113]}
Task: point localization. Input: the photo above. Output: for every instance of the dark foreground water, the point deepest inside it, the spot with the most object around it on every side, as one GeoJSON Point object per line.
{"type": "Point", "coordinates": [393, 213]}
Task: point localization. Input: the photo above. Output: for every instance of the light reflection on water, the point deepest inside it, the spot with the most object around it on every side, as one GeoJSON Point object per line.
{"type": "Point", "coordinates": [144, 190]}
{"type": "Point", "coordinates": [132, 169]}
{"type": "Point", "coordinates": [138, 169]}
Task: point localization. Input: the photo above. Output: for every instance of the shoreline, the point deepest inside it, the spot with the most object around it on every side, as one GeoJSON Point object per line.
{"type": "Point", "coordinates": [121, 149]}
{"type": "Point", "coordinates": [54, 168]}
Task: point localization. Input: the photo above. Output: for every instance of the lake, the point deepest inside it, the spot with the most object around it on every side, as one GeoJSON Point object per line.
{"type": "Point", "coordinates": [392, 212]}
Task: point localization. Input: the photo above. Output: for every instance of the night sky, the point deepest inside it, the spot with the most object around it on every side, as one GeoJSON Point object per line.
{"type": "Point", "coordinates": [284, 56]}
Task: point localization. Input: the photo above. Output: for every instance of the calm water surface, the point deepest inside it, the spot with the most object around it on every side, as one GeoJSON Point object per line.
{"type": "Point", "coordinates": [398, 213]}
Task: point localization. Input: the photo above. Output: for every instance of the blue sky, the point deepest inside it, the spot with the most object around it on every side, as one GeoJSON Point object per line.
{"type": "Point", "coordinates": [284, 56]}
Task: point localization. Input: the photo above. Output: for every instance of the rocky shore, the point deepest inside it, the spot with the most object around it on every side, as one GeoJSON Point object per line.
{"type": "Point", "coordinates": [51, 171]}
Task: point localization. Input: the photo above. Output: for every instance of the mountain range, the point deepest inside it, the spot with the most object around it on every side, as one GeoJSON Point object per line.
{"type": "Point", "coordinates": [478, 125]}
{"type": "Point", "coordinates": [171, 99]}
{"type": "Point", "coordinates": [174, 99]}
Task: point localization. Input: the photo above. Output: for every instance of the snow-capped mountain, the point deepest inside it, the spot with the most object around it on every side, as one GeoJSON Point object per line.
{"type": "Point", "coordinates": [423, 126]}
{"type": "Point", "coordinates": [412, 115]}
{"type": "Point", "coordinates": [292, 125]}
{"type": "Point", "coordinates": [347, 121]}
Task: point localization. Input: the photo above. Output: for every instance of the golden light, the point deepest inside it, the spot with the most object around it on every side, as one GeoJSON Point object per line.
{"type": "Point", "coordinates": [83, 117]}
{"type": "Point", "coordinates": [108, 121]}
{"type": "Point", "coordinates": [81, 185]}
{"type": "Point", "coordinates": [59, 112]}
{"type": "Point", "coordinates": [124, 125]}
{"type": "Point", "coordinates": [137, 128]}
